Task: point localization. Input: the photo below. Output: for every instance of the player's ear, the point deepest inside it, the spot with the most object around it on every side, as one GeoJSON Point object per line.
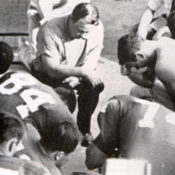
{"type": "Point", "coordinates": [12, 145]}
{"type": "Point", "coordinates": [141, 59]}
{"type": "Point", "coordinates": [140, 55]}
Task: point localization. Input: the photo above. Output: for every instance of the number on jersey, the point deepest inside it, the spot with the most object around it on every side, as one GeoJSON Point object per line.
{"type": "Point", "coordinates": [32, 97]}
{"type": "Point", "coordinates": [148, 118]}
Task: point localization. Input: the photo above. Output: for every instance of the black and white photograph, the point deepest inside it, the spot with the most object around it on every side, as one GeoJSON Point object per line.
{"type": "Point", "coordinates": [86, 87]}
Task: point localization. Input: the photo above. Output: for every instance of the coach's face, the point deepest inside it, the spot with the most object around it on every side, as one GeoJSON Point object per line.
{"type": "Point", "coordinates": [81, 28]}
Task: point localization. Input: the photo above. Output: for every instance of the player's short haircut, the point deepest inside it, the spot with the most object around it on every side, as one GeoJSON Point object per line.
{"type": "Point", "coordinates": [11, 126]}
{"type": "Point", "coordinates": [6, 57]}
{"type": "Point", "coordinates": [67, 95]}
{"type": "Point", "coordinates": [171, 23]}
{"type": "Point", "coordinates": [61, 137]}
{"type": "Point", "coordinates": [128, 45]}
{"type": "Point", "coordinates": [86, 9]}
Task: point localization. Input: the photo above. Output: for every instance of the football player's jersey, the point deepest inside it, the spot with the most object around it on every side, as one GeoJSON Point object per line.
{"type": "Point", "coordinates": [38, 105]}
{"type": "Point", "coordinates": [138, 129]}
{"type": "Point", "coordinates": [25, 96]}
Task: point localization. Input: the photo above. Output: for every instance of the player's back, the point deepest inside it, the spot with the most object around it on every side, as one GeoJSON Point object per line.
{"type": "Point", "coordinates": [39, 106]}
{"type": "Point", "coordinates": [147, 131]}
{"type": "Point", "coordinates": [24, 94]}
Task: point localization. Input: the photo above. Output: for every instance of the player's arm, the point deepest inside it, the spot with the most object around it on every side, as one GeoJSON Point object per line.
{"type": "Point", "coordinates": [145, 20]}
{"type": "Point", "coordinates": [105, 144]}
{"type": "Point", "coordinates": [30, 141]}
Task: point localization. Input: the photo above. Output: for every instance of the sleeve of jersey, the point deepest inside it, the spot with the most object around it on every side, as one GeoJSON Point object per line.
{"type": "Point", "coordinates": [109, 122]}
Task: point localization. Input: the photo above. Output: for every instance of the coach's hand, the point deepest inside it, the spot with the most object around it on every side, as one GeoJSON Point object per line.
{"type": "Point", "coordinates": [72, 81]}
{"type": "Point", "coordinates": [93, 79]}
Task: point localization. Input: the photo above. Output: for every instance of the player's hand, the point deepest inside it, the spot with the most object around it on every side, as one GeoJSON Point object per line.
{"type": "Point", "coordinates": [123, 70]}
{"type": "Point", "coordinates": [62, 158]}
{"type": "Point", "coordinates": [72, 81]}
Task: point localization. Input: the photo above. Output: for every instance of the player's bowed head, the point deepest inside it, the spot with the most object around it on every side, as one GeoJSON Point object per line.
{"type": "Point", "coordinates": [62, 138]}
{"type": "Point", "coordinates": [11, 132]}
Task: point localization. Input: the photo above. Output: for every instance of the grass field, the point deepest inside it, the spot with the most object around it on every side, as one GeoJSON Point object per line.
{"type": "Point", "coordinates": [118, 17]}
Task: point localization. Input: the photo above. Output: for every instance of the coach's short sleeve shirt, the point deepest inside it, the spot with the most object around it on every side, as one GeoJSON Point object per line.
{"type": "Point", "coordinates": [54, 41]}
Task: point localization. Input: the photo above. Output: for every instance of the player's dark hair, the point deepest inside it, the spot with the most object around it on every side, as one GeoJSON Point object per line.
{"type": "Point", "coordinates": [128, 45]}
{"type": "Point", "coordinates": [171, 23]}
{"type": "Point", "coordinates": [61, 137]}
{"type": "Point", "coordinates": [67, 94]}
{"type": "Point", "coordinates": [6, 57]}
{"type": "Point", "coordinates": [11, 126]}
{"type": "Point", "coordinates": [86, 9]}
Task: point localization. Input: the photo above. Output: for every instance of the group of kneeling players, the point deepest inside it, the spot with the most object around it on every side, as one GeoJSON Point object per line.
{"type": "Point", "coordinates": [140, 127]}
